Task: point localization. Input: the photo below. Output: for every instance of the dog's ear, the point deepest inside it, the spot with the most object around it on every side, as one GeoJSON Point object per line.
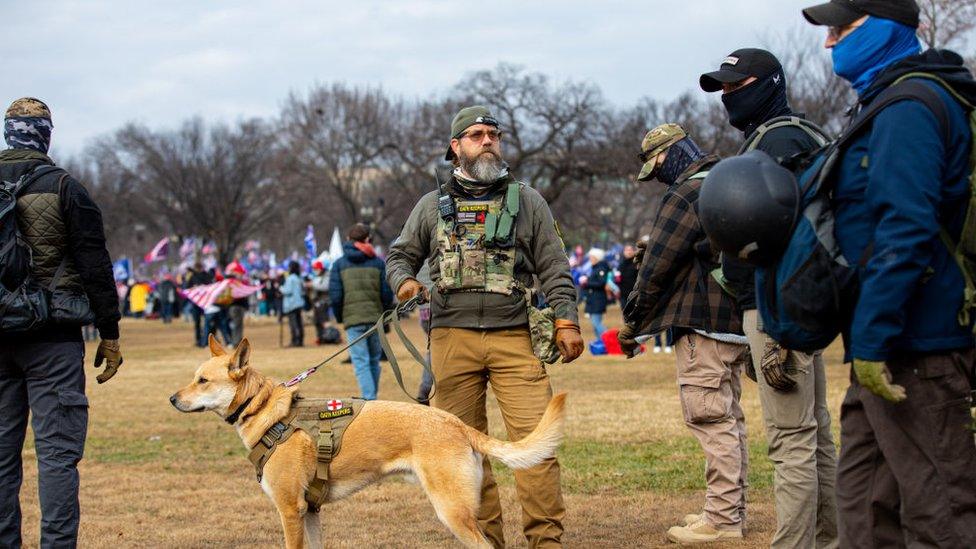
{"type": "Point", "coordinates": [240, 358]}
{"type": "Point", "coordinates": [215, 348]}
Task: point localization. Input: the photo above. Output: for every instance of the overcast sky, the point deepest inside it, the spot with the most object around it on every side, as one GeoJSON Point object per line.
{"type": "Point", "coordinates": [101, 63]}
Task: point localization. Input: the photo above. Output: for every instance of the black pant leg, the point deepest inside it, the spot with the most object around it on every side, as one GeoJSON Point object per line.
{"type": "Point", "coordinates": [13, 428]}
{"type": "Point", "coordinates": [55, 379]}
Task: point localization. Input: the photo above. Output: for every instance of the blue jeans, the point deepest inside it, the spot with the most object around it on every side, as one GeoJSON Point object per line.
{"type": "Point", "coordinates": [597, 321]}
{"type": "Point", "coordinates": [365, 357]}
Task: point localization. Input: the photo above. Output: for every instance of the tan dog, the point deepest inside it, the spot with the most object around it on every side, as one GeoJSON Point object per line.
{"type": "Point", "coordinates": [385, 438]}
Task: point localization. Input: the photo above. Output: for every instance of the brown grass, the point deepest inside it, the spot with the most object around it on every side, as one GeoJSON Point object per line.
{"type": "Point", "coordinates": [153, 477]}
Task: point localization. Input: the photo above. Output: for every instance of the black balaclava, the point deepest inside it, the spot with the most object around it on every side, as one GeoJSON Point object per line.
{"type": "Point", "coordinates": [680, 157]}
{"type": "Point", "coordinates": [750, 106]}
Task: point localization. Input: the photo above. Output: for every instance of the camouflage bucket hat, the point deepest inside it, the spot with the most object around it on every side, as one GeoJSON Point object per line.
{"type": "Point", "coordinates": [655, 142]}
{"type": "Point", "coordinates": [28, 107]}
{"type": "Point", "coordinates": [464, 119]}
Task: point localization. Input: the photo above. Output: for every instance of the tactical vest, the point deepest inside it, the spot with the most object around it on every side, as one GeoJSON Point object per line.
{"type": "Point", "coordinates": [45, 230]}
{"type": "Point", "coordinates": [325, 420]}
{"type": "Point", "coordinates": [477, 244]}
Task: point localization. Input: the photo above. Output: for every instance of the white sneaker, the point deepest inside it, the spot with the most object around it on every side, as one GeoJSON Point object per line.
{"type": "Point", "coordinates": [668, 350]}
{"type": "Point", "coordinates": [657, 349]}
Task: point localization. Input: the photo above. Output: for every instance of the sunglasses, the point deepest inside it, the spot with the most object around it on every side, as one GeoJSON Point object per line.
{"type": "Point", "coordinates": [479, 135]}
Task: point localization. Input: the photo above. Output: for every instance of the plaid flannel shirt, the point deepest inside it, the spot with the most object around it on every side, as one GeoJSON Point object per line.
{"type": "Point", "coordinates": [674, 285]}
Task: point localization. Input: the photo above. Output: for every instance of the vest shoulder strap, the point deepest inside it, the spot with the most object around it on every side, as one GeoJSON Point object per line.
{"type": "Point", "coordinates": [815, 132]}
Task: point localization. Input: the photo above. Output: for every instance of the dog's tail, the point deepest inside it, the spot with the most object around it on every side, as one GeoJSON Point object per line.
{"type": "Point", "coordinates": [540, 444]}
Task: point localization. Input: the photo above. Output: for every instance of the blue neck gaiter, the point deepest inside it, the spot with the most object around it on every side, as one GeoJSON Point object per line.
{"type": "Point", "coordinates": [871, 48]}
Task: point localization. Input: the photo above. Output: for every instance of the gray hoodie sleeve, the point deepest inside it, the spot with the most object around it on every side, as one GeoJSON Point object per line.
{"type": "Point", "coordinates": [409, 251]}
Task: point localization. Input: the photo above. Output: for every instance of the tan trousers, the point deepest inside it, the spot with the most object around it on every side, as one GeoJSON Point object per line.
{"type": "Point", "coordinates": [709, 378]}
{"type": "Point", "coordinates": [465, 362]}
{"type": "Point", "coordinates": [800, 447]}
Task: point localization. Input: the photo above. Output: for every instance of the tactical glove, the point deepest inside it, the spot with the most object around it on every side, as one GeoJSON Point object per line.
{"type": "Point", "coordinates": [410, 288]}
{"type": "Point", "coordinates": [774, 367]}
{"type": "Point", "coordinates": [875, 377]}
{"type": "Point", "coordinates": [628, 344]}
{"type": "Point", "coordinates": [568, 339]}
{"type": "Point", "coordinates": [108, 352]}
{"type": "Point", "coordinates": [641, 250]}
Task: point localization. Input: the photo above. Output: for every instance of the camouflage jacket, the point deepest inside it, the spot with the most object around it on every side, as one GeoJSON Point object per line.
{"type": "Point", "coordinates": [674, 285]}
{"type": "Point", "coordinates": [539, 252]}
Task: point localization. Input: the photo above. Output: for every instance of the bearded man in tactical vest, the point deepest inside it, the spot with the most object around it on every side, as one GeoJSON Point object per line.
{"type": "Point", "coordinates": [485, 235]}
{"type": "Point", "coordinates": [41, 361]}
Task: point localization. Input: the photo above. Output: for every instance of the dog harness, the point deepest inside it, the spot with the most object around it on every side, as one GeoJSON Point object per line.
{"type": "Point", "coordinates": [325, 420]}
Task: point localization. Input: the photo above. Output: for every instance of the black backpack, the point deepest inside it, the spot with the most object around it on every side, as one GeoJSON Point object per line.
{"type": "Point", "coordinates": [23, 302]}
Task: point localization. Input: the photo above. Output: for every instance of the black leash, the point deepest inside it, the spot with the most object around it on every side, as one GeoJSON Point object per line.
{"type": "Point", "coordinates": [389, 317]}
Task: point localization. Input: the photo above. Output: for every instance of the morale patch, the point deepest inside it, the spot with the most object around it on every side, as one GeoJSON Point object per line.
{"type": "Point", "coordinates": [472, 207]}
{"type": "Point", "coordinates": [333, 405]}
{"type": "Point", "coordinates": [471, 217]}
{"type": "Point", "coordinates": [332, 414]}
{"type": "Point", "coordinates": [731, 60]}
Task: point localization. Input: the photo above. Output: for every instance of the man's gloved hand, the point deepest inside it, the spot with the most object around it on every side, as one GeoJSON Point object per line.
{"type": "Point", "coordinates": [109, 353]}
{"type": "Point", "coordinates": [875, 377]}
{"type": "Point", "coordinates": [775, 368]}
{"type": "Point", "coordinates": [641, 250]}
{"type": "Point", "coordinates": [568, 339]}
{"type": "Point", "coordinates": [628, 344]}
{"type": "Point", "coordinates": [410, 288]}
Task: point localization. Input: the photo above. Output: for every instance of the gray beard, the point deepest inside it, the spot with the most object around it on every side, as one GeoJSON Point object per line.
{"type": "Point", "coordinates": [485, 168]}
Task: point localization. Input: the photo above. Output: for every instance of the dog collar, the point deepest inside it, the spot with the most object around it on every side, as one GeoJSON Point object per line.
{"type": "Point", "coordinates": [232, 419]}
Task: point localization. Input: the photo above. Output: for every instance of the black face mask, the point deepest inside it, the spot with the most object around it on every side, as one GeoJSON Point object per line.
{"type": "Point", "coordinates": [751, 105]}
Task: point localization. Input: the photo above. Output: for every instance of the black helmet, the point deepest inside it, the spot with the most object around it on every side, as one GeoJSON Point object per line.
{"type": "Point", "coordinates": [748, 207]}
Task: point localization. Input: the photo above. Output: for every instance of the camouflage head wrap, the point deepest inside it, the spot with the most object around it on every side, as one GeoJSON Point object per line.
{"type": "Point", "coordinates": [27, 125]}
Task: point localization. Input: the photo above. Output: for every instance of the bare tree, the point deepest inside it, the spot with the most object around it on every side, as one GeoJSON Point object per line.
{"type": "Point", "coordinates": [336, 143]}
{"type": "Point", "coordinates": [216, 183]}
{"type": "Point", "coordinates": [550, 130]}
{"type": "Point", "coordinates": [946, 23]}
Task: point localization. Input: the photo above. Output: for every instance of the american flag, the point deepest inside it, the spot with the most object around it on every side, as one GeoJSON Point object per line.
{"type": "Point", "coordinates": [205, 295]}
{"type": "Point", "coordinates": [188, 247]}
{"type": "Point", "coordinates": [159, 251]}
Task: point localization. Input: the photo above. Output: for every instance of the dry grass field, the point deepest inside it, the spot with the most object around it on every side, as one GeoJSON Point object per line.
{"type": "Point", "coordinates": [153, 477]}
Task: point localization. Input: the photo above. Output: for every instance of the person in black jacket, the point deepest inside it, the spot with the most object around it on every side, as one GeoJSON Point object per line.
{"type": "Point", "coordinates": [628, 273]}
{"type": "Point", "coordinates": [792, 387]}
{"type": "Point", "coordinates": [41, 370]}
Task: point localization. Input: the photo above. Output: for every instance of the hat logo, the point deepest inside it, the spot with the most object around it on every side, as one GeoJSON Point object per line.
{"type": "Point", "coordinates": [776, 79]}
{"type": "Point", "coordinates": [486, 120]}
{"type": "Point", "coordinates": [731, 60]}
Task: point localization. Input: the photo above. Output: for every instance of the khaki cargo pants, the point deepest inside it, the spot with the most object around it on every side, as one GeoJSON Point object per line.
{"type": "Point", "coordinates": [801, 448]}
{"type": "Point", "coordinates": [465, 362]}
{"type": "Point", "coordinates": [710, 384]}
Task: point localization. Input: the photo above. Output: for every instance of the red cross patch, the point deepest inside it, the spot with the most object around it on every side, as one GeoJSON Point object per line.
{"type": "Point", "coordinates": [334, 405]}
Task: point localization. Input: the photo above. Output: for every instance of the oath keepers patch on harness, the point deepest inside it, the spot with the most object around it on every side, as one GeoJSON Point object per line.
{"type": "Point", "coordinates": [332, 414]}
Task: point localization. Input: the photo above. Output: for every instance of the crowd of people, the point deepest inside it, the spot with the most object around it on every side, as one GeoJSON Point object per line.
{"type": "Point", "coordinates": [504, 299]}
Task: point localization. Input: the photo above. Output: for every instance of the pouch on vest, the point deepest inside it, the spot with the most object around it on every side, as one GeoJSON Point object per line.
{"type": "Point", "coordinates": [542, 329]}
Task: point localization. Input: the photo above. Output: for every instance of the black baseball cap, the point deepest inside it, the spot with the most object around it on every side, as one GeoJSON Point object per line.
{"type": "Point", "coordinates": [838, 13]}
{"type": "Point", "coordinates": [738, 66]}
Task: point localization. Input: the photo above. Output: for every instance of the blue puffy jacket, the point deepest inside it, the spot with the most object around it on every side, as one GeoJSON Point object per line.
{"type": "Point", "coordinates": [897, 184]}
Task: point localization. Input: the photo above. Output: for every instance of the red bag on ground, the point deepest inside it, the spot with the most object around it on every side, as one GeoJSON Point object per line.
{"type": "Point", "coordinates": [609, 338]}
